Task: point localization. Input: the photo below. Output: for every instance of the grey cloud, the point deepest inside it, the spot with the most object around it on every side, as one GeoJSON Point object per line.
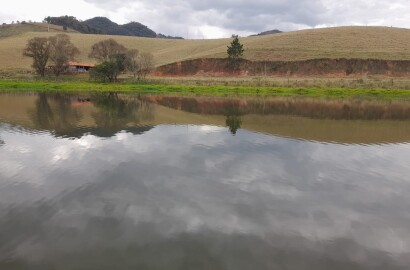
{"type": "Point", "coordinates": [240, 16]}
{"type": "Point", "coordinates": [246, 17]}
{"type": "Point", "coordinates": [259, 15]}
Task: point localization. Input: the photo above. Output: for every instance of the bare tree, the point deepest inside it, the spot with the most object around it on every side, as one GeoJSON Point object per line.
{"type": "Point", "coordinates": [105, 50]}
{"type": "Point", "coordinates": [132, 61]}
{"type": "Point", "coordinates": [38, 48]}
{"type": "Point", "coordinates": [145, 62]}
{"type": "Point", "coordinates": [61, 51]}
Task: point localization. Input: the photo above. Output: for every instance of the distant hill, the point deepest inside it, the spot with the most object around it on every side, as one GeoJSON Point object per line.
{"type": "Point", "coordinates": [270, 32]}
{"type": "Point", "coordinates": [108, 27]}
{"type": "Point", "coordinates": [103, 25]}
{"type": "Point", "coordinates": [72, 22]}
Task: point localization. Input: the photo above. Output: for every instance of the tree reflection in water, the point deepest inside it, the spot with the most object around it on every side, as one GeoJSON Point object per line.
{"type": "Point", "coordinates": [54, 112]}
{"type": "Point", "coordinates": [233, 122]}
{"type": "Point", "coordinates": [233, 116]}
{"type": "Point", "coordinates": [117, 112]}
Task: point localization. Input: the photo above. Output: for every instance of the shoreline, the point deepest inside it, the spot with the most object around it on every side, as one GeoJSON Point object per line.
{"type": "Point", "coordinates": [211, 90]}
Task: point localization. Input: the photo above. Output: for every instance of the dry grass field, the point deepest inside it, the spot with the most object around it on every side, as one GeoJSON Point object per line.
{"type": "Point", "coordinates": [347, 42]}
{"type": "Point", "coordinates": [9, 30]}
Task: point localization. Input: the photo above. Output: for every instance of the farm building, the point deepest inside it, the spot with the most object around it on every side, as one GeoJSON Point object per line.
{"type": "Point", "coordinates": [79, 67]}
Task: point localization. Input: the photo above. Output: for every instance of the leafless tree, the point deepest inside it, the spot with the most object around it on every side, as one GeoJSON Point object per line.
{"type": "Point", "coordinates": [145, 63]}
{"type": "Point", "coordinates": [38, 48]}
{"type": "Point", "coordinates": [132, 61]}
{"type": "Point", "coordinates": [105, 50]}
{"type": "Point", "coordinates": [61, 51]}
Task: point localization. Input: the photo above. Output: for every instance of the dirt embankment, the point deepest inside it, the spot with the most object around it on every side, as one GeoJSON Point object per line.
{"type": "Point", "coordinates": [316, 67]}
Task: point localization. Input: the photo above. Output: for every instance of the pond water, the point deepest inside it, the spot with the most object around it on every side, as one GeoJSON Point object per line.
{"type": "Point", "coordinates": [155, 182]}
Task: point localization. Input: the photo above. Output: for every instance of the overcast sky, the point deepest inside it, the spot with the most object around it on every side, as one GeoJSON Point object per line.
{"type": "Point", "coordinates": [219, 18]}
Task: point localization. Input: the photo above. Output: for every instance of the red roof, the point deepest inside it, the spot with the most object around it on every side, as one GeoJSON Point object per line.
{"type": "Point", "coordinates": [77, 64]}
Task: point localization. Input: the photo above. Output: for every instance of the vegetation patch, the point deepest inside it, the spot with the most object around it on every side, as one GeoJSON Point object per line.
{"type": "Point", "coordinates": [333, 93]}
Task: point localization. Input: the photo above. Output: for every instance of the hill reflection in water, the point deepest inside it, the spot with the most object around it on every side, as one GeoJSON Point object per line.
{"type": "Point", "coordinates": [63, 115]}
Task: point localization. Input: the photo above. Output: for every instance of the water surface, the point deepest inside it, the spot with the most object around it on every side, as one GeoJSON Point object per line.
{"type": "Point", "coordinates": [129, 182]}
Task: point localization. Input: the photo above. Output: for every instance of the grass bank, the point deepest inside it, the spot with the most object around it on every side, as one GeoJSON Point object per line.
{"type": "Point", "coordinates": [144, 88]}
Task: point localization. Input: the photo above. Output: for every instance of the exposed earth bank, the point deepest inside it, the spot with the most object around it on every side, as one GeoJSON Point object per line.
{"type": "Point", "coordinates": [341, 67]}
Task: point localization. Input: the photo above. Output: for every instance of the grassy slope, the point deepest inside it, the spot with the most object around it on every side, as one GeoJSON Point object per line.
{"type": "Point", "coordinates": [349, 42]}
{"type": "Point", "coordinates": [18, 29]}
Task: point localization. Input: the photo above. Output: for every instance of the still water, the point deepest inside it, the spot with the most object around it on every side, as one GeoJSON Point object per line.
{"type": "Point", "coordinates": [145, 182]}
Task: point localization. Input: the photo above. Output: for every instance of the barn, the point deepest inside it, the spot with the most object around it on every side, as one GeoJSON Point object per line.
{"type": "Point", "coordinates": [79, 67]}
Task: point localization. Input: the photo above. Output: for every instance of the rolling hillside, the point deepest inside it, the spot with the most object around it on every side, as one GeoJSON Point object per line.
{"type": "Point", "coordinates": [341, 42]}
{"type": "Point", "coordinates": [10, 30]}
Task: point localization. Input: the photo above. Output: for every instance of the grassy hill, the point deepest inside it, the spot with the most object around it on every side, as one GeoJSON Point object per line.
{"type": "Point", "coordinates": [348, 42]}
{"type": "Point", "coordinates": [106, 26]}
{"type": "Point", "coordinates": [10, 30]}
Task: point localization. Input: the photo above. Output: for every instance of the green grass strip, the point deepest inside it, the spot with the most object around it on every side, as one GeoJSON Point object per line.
{"type": "Point", "coordinates": [80, 87]}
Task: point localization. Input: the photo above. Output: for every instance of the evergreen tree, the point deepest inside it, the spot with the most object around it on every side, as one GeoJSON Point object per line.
{"type": "Point", "coordinates": [235, 53]}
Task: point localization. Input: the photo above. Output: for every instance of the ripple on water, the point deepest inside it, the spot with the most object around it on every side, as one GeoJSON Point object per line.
{"type": "Point", "coordinates": [180, 196]}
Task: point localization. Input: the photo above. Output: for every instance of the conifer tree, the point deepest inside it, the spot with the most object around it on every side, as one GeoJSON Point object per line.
{"type": "Point", "coordinates": [235, 53]}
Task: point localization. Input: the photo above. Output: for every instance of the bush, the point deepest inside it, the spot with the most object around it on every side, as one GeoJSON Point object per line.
{"type": "Point", "coordinates": [106, 71]}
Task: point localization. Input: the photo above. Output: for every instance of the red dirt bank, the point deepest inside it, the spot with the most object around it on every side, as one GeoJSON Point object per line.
{"type": "Point", "coordinates": [316, 67]}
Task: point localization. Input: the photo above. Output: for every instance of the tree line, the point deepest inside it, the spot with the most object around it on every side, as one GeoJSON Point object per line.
{"type": "Point", "coordinates": [113, 58]}
{"type": "Point", "coordinates": [72, 22]}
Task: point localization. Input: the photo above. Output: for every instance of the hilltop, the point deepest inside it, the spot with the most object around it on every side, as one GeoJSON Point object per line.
{"type": "Point", "coordinates": [340, 42]}
{"type": "Point", "coordinates": [104, 26]}
{"type": "Point", "coordinates": [8, 30]}
{"type": "Point", "coordinates": [269, 32]}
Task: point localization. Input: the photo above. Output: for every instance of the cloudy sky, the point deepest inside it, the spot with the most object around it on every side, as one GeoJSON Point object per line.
{"type": "Point", "coordinates": [219, 18]}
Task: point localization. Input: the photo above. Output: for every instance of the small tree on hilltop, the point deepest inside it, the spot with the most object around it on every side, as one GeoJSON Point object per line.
{"type": "Point", "coordinates": [235, 53]}
{"type": "Point", "coordinates": [61, 51]}
{"type": "Point", "coordinates": [38, 48]}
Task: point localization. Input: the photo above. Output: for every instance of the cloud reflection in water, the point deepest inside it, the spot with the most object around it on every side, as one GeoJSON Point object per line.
{"type": "Point", "coordinates": [196, 196]}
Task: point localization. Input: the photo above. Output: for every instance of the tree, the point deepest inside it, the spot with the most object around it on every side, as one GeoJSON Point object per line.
{"type": "Point", "coordinates": [106, 71]}
{"type": "Point", "coordinates": [235, 53]}
{"type": "Point", "coordinates": [139, 64]}
{"type": "Point", "coordinates": [145, 64]}
{"type": "Point", "coordinates": [132, 61]}
{"type": "Point", "coordinates": [105, 50]}
{"type": "Point", "coordinates": [61, 51]}
{"type": "Point", "coordinates": [113, 58]}
{"type": "Point", "coordinates": [38, 48]}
